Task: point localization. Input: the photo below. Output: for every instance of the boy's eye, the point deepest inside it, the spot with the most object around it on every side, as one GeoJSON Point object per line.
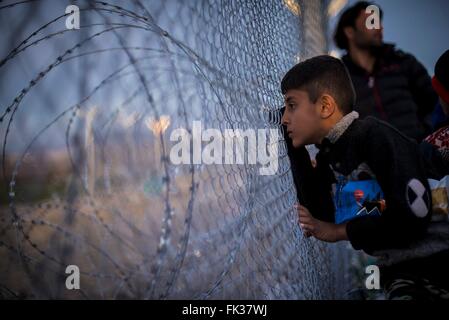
{"type": "Point", "coordinates": [291, 106]}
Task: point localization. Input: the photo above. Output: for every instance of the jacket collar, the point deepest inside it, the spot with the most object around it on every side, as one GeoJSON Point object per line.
{"type": "Point", "coordinates": [341, 126]}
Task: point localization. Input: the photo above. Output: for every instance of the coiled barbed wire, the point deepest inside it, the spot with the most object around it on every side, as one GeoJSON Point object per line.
{"type": "Point", "coordinates": [87, 180]}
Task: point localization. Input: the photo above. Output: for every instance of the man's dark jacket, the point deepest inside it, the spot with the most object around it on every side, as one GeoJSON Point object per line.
{"type": "Point", "coordinates": [399, 91]}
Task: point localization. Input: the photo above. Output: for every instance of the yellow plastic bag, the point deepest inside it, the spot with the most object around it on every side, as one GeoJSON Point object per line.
{"type": "Point", "coordinates": [440, 198]}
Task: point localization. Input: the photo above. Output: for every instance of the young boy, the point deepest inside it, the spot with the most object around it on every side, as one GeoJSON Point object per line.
{"type": "Point", "coordinates": [386, 170]}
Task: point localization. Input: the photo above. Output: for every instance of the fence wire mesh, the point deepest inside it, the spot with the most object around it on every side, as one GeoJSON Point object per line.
{"type": "Point", "coordinates": [86, 117]}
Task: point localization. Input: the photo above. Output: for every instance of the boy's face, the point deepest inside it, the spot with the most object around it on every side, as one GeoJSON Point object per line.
{"type": "Point", "coordinates": [302, 118]}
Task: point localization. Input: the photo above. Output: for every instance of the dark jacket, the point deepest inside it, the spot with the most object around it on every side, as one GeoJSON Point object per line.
{"type": "Point", "coordinates": [399, 167]}
{"type": "Point", "coordinates": [399, 91]}
{"type": "Point", "coordinates": [439, 119]}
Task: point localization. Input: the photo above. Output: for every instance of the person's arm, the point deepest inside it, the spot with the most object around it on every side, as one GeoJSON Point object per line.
{"type": "Point", "coordinates": [400, 171]}
{"type": "Point", "coordinates": [322, 230]}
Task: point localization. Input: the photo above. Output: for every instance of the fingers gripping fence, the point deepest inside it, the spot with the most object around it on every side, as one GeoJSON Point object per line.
{"type": "Point", "coordinates": [87, 180]}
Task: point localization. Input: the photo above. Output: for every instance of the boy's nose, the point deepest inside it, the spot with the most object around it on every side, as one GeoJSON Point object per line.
{"type": "Point", "coordinates": [284, 120]}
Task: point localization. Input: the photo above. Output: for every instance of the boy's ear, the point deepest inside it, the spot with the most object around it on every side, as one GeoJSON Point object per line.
{"type": "Point", "coordinates": [327, 106]}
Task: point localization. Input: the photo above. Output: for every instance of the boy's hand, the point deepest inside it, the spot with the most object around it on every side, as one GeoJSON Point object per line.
{"type": "Point", "coordinates": [324, 231]}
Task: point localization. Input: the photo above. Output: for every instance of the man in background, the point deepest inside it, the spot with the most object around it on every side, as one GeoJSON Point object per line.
{"type": "Point", "coordinates": [390, 85]}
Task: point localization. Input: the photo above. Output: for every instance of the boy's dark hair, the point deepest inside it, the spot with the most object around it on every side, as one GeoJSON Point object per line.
{"type": "Point", "coordinates": [319, 75]}
{"type": "Point", "coordinates": [347, 19]}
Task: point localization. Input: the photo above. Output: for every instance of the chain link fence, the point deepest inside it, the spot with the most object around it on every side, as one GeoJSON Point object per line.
{"type": "Point", "coordinates": [86, 118]}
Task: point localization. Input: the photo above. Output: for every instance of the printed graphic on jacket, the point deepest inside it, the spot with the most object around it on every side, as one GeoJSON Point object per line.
{"type": "Point", "coordinates": [357, 194]}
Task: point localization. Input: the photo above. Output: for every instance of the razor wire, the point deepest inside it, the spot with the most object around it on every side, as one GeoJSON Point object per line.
{"type": "Point", "coordinates": [85, 122]}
